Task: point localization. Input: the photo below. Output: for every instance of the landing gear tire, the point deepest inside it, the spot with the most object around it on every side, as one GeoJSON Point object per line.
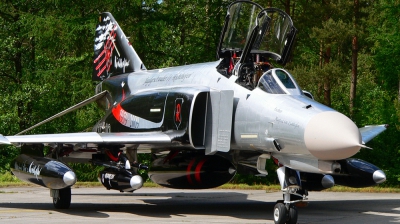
{"type": "Point", "coordinates": [292, 215]}
{"type": "Point", "coordinates": [63, 201]}
{"type": "Point", "coordinates": [280, 213]}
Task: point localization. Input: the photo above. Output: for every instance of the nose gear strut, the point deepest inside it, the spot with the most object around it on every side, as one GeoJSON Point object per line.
{"type": "Point", "coordinates": [285, 210]}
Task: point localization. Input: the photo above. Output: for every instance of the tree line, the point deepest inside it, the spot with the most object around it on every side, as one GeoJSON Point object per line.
{"type": "Point", "coordinates": [346, 54]}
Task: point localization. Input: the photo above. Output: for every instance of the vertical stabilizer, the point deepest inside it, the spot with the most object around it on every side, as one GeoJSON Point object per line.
{"type": "Point", "coordinates": [113, 54]}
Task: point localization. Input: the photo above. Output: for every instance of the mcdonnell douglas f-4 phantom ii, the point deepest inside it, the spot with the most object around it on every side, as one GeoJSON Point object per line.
{"type": "Point", "coordinates": [204, 123]}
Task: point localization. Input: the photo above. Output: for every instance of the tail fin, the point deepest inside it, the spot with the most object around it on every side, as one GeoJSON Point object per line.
{"type": "Point", "coordinates": [113, 54]}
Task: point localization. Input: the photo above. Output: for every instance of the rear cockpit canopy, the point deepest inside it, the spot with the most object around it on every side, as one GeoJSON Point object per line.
{"type": "Point", "coordinates": [249, 27]}
{"type": "Point", "coordinates": [276, 35]}
{"type": "Point", "coordinates": [239, 23]}
{"type": "Point", "coordinates": [253, 37]}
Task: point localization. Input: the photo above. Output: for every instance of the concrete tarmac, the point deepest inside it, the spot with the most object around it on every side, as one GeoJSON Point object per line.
{"type": "Point", "coordinates": [162, 205]}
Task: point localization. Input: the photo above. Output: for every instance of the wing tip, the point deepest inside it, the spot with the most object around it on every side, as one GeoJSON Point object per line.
{"type": "Point", "coordinates": [379, 125]}
{"type": "Point", "coordinates": [4, 140]}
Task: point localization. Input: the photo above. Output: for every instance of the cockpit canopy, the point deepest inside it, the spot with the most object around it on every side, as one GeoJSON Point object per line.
{"type": "Point", "coordinates": [239, 22]}
{"type": "Point", "coordinates": [250, 29]}
{"type": "Point", "coordinates": [276, 35]}
{"type": "Point", "coordinates": [252, 39]}
{"type": "Point", "coordinates": [278, 81]}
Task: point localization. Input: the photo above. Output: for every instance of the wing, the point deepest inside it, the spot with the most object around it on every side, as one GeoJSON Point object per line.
{"type": "Point", "coordinates": [90, 137]}
{"type": "Point", "coordinates": [370, 132]}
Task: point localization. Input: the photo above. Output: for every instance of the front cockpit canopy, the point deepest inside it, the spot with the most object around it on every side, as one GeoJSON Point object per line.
{"type": "Point", "coordinates": [278, 81]}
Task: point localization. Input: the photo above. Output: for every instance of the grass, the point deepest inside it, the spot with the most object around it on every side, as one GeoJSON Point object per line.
{"type": "Point", "coordinates": [277, 188]}
{"type": "Point", "coordinates": [376, 189]}
{"type": "Point", "coordinates": [9, 180]}
{"type": "Point", "coordinates": [8, 177]}
{"type": "Point", "coordinates": [268, 188]}
{"type": "Point", "coordinates": [15, 184]}
{"type": "Point", "coordinates": [8, 192]}
{"type": "Point", "coordinates": [98, 184]}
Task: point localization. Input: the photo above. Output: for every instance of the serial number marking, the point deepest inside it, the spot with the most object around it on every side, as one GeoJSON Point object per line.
{"type": "Point", "coordinates": [166, 78]}
{"type": "Point", "coordinates": [293, 124]}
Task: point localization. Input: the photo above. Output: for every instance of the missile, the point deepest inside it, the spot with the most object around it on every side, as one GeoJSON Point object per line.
{"type": "Point", "coordinates": [316, 181]}
{"type": "Point", "coordinates": [123, 181]}
{"type": "Point", "coordinates": [360, 174]}
{"type": "Point", "coordinates": [354, 173]}
{"type": "Point", "coordinates": [43, 171]}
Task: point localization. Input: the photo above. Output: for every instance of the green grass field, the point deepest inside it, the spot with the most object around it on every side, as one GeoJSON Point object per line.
{"type": "Point", "coordinates": [9, 180]}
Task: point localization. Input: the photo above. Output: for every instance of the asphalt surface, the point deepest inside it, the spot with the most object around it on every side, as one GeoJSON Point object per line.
{"type": "Point", "coordinates": [162, 205]}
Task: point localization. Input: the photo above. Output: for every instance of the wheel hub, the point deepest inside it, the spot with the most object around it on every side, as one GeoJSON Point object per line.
{"type": "Point", "coordinates": [276, 214]}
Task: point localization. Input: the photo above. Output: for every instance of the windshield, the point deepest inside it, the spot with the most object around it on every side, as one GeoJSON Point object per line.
{"type": "Point", "coordinates": [285, 79]}
{"type": "Point", "coordinates": [269, 84]}
{"type": "Point", "coordinates": [279, 81]}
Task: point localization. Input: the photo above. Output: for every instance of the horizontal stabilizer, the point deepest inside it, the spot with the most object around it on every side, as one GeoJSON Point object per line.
{"type": "Point", "coordinates": [90, 137]}
{"type": "Point", "coordinates": [370, 132]}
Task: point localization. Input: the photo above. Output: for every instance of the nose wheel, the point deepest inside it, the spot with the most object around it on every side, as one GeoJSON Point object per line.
{"type": "Point", "coordinates": [285, 213]}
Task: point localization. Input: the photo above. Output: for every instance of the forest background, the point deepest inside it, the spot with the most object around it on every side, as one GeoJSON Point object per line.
{"type": "Point", "coordinates": [347, 54]}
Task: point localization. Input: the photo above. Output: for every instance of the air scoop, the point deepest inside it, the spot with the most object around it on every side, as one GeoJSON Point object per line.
{"type": "Point", "coordinates": [331, 135]}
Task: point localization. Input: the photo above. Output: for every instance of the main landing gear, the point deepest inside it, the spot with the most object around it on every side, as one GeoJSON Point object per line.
{"type": "Point", "coordinates": [61, 198]}
{"type": "Point", "coordinates": [285, 210]}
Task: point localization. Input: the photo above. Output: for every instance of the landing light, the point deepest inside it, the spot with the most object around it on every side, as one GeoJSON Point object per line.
{"type": "Point", "coordinates": [336, 167]}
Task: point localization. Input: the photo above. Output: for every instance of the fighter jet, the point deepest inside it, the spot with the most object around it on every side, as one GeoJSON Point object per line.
{"type": "Point", "coordinates": [204, 123]}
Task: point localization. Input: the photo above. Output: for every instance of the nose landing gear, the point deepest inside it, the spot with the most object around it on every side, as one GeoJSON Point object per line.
{"type": "Point", "coordinates": [285, 210]}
